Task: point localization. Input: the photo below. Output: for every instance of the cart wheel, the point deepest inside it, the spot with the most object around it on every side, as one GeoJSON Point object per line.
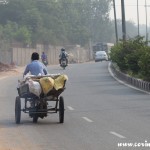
{"type": "Point", "coordinates": [61, 109]}
{"type": "Point", "coordinates": [17, 110]}
{"type": "Point", "coordinates": [35, 118]}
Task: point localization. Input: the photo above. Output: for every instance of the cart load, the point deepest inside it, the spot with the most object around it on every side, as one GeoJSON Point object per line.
{"type": "Point", "coordinates": [42, 85]}
{"type": "Point", "coordinates": [47, 84]}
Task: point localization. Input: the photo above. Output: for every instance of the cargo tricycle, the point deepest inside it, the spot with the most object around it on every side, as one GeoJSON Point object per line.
{"type": "Point", "coordinates": [38, 106]}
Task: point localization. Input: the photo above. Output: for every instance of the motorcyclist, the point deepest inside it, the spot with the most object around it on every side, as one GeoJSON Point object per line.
{"type": "Point", "coordinates": [44, 58]}
{"type": "Point", "coordinates": [63, 54]}
{"type": "Point", "coordinates": [35, 67]}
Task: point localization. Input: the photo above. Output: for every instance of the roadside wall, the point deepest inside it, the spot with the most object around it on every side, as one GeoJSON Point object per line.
{"type": "Point", "coordinates": [6, 56]}
{"type": "Point", "coordinates": [22, 56]}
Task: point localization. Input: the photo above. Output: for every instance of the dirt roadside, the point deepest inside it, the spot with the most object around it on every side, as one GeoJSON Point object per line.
{"type": "Point", "coordinates": [9, 70]}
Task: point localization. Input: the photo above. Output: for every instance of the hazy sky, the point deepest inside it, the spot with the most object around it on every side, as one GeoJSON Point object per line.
{"type": "Point", "coordinates": [131, 11]}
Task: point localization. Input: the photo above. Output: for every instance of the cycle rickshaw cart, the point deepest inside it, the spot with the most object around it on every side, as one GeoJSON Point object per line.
{"type": "Point", "coordinates": [39, 106]}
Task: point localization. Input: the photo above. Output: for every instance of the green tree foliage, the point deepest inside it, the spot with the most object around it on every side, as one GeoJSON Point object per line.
{"type": "Point", "coordinates": [9, 30]}
{"type": "Point", "coordinates": [144, 64]}
{"type": "Point", "coordinates": [56, 21]}
{"type": "Point", "coordinates": [100, 24]}
{"type": "Point", "coordinates": [132, 57]}
{"type": "Point", "coordinates": [117, 55]}
{"type": "Point", "coordinates": [23, 35]}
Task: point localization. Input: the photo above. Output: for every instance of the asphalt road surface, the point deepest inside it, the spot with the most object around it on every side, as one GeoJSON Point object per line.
{"type": "Point", "coordinates": [100, 114]}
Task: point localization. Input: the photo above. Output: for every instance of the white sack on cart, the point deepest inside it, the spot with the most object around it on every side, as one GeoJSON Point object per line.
{"type": "Point", "coordinates": [34, 87]}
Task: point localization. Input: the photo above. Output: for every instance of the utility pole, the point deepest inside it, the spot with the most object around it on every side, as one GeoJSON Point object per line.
{"type": "Point", "coordinates": [138, 16]}
{"type": "Point", "coordinates": [123, 21]}
{"type": "Point", "coordinates": [146, 20]}
{"type": "Point", "coordinates": [116, 30]}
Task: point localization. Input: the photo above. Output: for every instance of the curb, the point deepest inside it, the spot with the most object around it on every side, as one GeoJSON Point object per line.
{"type": "Point", "coordinates": [126, 80]}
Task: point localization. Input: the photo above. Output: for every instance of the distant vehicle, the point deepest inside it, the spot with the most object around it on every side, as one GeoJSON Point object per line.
{"type": "Point", "coordinates": [102, 47]}
{"type": "Point", "coordinates": [45, 62]}
{"type": "Point", "coordinates": [63, 63]}
{"type": "Point", "coordinates": [100, 56]}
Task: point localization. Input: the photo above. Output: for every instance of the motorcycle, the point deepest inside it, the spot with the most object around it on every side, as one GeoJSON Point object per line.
{"type": "Point", "coordinates": [63, 63]}
{"type": "Point", "coordinates": [45, 62]}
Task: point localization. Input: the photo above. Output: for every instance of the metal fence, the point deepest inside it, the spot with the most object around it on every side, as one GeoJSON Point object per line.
{"type": "Point", "coordinates": [138, 83]}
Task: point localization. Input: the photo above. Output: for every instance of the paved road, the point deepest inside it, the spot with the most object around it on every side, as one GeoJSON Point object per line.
{"type": "Point", "coordinates": [100, 114]}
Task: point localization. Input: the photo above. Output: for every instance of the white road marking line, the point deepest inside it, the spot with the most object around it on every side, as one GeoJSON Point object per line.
{"type": "Point", "coordinates": [70, 108]}
{"type": "Point", "coordinates": [118, 135]}
{"type": "Point", "coordinates": [87, 119]}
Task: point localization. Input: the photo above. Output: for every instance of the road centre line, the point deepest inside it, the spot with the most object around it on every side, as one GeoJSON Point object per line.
{"type": "Point", "coordinates": [87, 119]}
{"type": "Point", "coordinates": [70, 108]}
{"type": "Point", "coordinates": [118, 135]}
